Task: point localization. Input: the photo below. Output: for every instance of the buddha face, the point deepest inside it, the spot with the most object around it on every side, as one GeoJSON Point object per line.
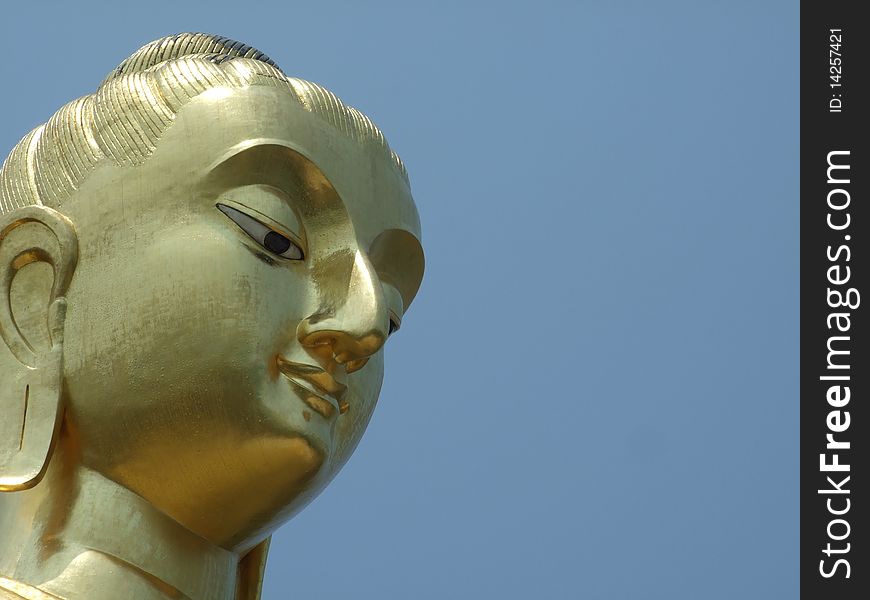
{"type": "Point", "coordinates": [224, 337]}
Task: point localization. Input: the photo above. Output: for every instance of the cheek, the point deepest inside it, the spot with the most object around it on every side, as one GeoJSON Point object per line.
{"type": "Point", "coordinates": [177, 335]}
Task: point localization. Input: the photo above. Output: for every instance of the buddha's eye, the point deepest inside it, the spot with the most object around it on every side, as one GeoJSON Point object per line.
{"type": "Point", "coordinates": [267, 237]}
{"type": "Point", "coordinates": [394, 325]}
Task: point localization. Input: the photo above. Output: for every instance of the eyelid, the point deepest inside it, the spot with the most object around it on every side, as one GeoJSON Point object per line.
{"type": "Point", "coordinates": [394, 303]}
{"type": "Point", "coordinates": [255, 229]}
{"type": "Point", "coordinates": [394, 319]}
{"type": "Point", "coordinates": [289, 233]}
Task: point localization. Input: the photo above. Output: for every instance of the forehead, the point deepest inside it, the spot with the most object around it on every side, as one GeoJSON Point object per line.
{"type": "Point", "coordinates": [269, 126]}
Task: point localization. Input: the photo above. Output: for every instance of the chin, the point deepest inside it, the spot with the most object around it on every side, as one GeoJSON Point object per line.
{"type": "Point", "coordinates": [291, 474]}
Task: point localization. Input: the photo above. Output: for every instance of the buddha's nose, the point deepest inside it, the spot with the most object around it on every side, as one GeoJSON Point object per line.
{"type": "Point", "coordinates": [354, 327]}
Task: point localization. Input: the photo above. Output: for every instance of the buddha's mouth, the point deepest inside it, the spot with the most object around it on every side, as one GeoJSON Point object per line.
{"type": "Point", "coordinates": [318, 389]}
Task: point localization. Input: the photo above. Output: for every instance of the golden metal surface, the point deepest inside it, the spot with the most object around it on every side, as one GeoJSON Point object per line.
{"type": "Point", "coordinates": [199, 267]}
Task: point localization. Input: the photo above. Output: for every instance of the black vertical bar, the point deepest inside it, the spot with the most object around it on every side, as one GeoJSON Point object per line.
{"type": "Point", "coordinates": [835, 374]}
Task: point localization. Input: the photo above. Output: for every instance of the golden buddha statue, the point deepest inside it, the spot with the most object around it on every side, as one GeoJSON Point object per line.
{"type": "Point", "coordinates": [199, 266]}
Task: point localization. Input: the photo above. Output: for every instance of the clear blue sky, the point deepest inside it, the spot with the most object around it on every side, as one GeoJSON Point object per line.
{"type": "Point", "coordinates": [596, 392]}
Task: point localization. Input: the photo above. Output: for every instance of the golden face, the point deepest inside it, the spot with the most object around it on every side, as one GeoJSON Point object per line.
{"type": "Point", "coordinates": [228, 313]}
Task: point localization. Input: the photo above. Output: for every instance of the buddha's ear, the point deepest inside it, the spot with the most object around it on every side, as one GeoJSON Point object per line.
{"type": "Point", "coordinates": [38, 254]}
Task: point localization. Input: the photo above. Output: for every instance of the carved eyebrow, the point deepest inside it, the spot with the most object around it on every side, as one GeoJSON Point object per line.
{"type": "Point", "coordinates": [281, 168]}
{"type": "Point", "coordinates": [398, 259]}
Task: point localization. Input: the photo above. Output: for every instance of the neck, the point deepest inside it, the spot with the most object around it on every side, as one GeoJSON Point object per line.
{"type": "Point", "coordinates": [79, 535]}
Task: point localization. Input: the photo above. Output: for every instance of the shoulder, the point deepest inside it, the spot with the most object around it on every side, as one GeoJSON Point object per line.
{"type": "Point", "coordinates": [13, 590]}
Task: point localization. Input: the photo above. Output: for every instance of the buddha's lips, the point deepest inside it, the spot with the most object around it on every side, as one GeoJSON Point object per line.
{"type": "Point", "coordinates": [319, 389]}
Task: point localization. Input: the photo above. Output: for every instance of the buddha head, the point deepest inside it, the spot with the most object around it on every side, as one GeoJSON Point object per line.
{"type": "Point", "coordinates": [200, 265]}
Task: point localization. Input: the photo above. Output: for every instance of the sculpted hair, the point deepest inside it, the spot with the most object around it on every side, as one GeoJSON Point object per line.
{"type": "Point", "coordinates": [125, 118]}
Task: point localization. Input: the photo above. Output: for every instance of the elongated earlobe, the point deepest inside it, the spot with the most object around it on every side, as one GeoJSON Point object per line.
{"type": "Point", "coordinates": [31, 373]}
